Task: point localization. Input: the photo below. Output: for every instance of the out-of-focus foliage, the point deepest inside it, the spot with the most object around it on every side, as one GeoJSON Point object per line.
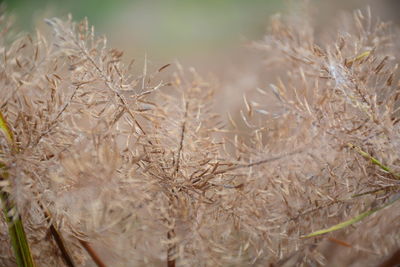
{"type": "Point", "coordinates": [167, 26]}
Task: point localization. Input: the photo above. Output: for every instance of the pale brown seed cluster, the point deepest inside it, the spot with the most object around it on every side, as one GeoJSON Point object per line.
{"type": "Point", "coordinates": [142, 172]}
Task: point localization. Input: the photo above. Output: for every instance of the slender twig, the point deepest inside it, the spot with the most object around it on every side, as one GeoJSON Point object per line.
{"type": "Point", "coordinates": [58, 238]}
{"type": "Point", "coordinates": [171, 249]}
{"type": "Point", "coordinates": [182, 137]}
{"type": "Point", "coordinates": [95, 257]}
{"type": "Point", "coordinates": [249, 165]}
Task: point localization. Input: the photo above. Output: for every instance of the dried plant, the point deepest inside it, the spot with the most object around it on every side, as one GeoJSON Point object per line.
{"type": "Point", "coordinates": [340, 97]}
{"type": "Point", "coordinates": [101, 165]}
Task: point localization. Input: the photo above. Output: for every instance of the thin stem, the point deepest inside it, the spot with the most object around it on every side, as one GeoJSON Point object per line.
{"type": "Point", "coordinates": [18, 238]}
{"type": "Point", "coordinates": [58, 239]}
{"type": "Point", "coordinates": [95, 257]}
{"type": "Point", "coordinates": [171, 249]}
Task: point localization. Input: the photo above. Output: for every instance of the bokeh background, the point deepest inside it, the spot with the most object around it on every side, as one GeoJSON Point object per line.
{"type": "Point", "coordinates": [170, 29]}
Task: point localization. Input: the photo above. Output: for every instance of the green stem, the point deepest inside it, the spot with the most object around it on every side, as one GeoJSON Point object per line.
{"type": "Point", "coordinates": [17, 234]}
{"type": "Point", "coordinates": [19, 241]}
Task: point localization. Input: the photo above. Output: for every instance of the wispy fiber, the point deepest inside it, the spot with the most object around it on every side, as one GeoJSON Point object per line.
{"type": "Point", "coordinates": [104, 163]}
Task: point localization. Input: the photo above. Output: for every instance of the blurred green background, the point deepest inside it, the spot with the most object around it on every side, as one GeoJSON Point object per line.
{"type": "Point", "coordinates": [170, 29]}
{"type": "Point", "coordinates": [162, 27]}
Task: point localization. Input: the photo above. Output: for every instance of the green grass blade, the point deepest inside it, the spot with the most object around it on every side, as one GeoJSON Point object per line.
{"type": "Point", "coordinates": [19, 241]}
{"type": "Point", "coordinates": [358, 58]}
{"type": "Point", "coordinates": [349, 222]}
{"type": "Point", "coordinates": [6, 130]}
{"type": "Point", "coordinates": [373, 160]}
{"type": "Point", "coordinates": [362, 55]}
{"type": "Point", "coordinates": [17, 234]}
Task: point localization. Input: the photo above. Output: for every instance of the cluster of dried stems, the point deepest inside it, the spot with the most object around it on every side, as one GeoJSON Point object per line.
{"type": "Point", "coordinates": [124, 171]}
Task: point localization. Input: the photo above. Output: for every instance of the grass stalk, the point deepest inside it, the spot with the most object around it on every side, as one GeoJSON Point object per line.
{"type": "Point", "coordinates": [171, 249]}
{"type": "Point", "coordinates": [374, 160]}
{"type": "Point", "coordinates": [19, 241]}
{"type": "Point", "coordinates": [350, 221]}
{"type": "Point", "coordinates": [92, 253]}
